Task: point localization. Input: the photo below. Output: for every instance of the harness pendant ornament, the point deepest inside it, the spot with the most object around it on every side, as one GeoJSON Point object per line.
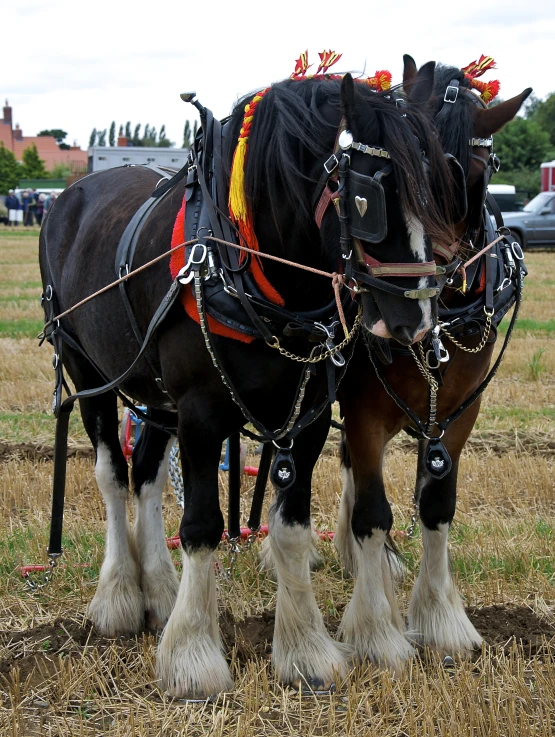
{"type": "Point", "coordinates": [362, 205]}
{"type": "Point", "coordinates": [283, 473]}
{"type": "Point", "coordinates": [438, 461]}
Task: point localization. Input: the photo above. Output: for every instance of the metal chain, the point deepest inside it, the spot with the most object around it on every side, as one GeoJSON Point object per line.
{"type": "Point", "coordinates": [204, 329]}
{"type": "Point", "coordinates": [234, 548]}
{"type": "Point", "coordinates": [47, 578]}
{"type": "Point", "coordinates": [414, 517]}
{"type": "Point", "coordinates": [482, 343]}
{"type": "Point", "coordinates": [176, 475]}
{"type": "Point", "coordinates": [321, 356]}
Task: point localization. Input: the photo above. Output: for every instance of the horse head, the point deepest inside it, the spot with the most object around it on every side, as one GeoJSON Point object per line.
{"type": "Point", "coordinates": [337, 139]}
{"type": "Point", "coordinates": [465, 126]}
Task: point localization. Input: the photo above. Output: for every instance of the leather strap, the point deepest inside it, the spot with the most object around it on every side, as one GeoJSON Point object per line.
{"type": "Point", "coordinates": [327, 197]}
{"type": "Point", "coordinates": [379, 269]}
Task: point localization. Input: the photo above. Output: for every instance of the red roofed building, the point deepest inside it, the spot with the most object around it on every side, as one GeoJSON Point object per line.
{"type": "Point", "coordinates": [14, 140]}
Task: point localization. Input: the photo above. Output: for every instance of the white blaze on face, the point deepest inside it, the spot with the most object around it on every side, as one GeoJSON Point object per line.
{"type": "Point", "coordinates": [417, 240]}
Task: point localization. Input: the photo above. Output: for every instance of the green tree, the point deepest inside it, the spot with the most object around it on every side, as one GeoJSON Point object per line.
{"type": "Point", "coordinates": [102, 137]}
{"type": "Point", "coordinates": [146, 134]}
{"type": "Point", "coordinates": [112, 134]}
{"type": "Point", "coordinates": [522, 144]}
{"type": "Point", "coordinates": [60, 171]}
{"type": "Point", "coordinates": [56, 133]}
{"type": "Point", "coordinates": [9, 170]}
{"type": "Point", "coordinates": [33, 165]}
{"type": "Point", "coordinates": [163, 140]}
{"type": "Point", "coordinates": [544, 116]}
{"type": "Point", "coordinates": [137, 135]}
{"type": "Point", "coordinates": [189, 134]}
{"type": "Point", "coordinates": [92, 138]}
{"type": "Point", "coordinates": [128, 130]}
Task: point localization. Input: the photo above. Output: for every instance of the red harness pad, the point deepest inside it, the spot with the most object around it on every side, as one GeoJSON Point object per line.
{"type": "Point", "coordinates": [177, 262]}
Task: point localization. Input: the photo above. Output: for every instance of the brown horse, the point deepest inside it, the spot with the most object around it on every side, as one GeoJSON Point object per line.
{"type": "Point", "coordinates": [372, 418]}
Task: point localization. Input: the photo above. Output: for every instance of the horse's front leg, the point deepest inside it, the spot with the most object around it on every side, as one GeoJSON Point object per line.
{"type": "Point", "coordinates": [303, 653]}
{"type": "Point", "coordinates": [372, 623]}
{"type": "Point", "coordinates": [190, 662]}
{"type": "Point", "coordinates": [159, 581]}
{"type": "Point", "coordinates": [436, 612]}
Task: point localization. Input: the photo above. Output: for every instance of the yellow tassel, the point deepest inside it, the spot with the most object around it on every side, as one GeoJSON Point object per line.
{"type": "Point", "coordinates": [237, 199]}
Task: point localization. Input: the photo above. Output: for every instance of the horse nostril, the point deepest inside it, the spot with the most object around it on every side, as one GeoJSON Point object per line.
{"type": "Point", "coordinates": [403, 336]}
{"type": "Point", "coordinates": [420, 336]}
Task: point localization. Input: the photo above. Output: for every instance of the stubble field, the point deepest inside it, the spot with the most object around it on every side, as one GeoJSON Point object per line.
{"type": "Point", "coordinates": [59, 677]}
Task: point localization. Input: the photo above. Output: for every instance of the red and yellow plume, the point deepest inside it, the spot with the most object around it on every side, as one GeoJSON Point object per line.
{"type": "Point", "coordinates": [239, 209]}
{"type": "Point", "coordinates": [477, 68]}
{"type": "Point", "coordinates": [238, 206]}
{"type": "Point", "coordinates": [488, 90]}
{"type": "Point", "coordinates": [327, 59]}
{"type": "Point", "coordinates": [301, 65]}
{"type": "Point", "coordinates": [381, 81]}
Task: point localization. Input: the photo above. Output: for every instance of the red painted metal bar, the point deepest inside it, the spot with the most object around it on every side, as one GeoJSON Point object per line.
{"type": "Point", "coordinates": [174, 542]}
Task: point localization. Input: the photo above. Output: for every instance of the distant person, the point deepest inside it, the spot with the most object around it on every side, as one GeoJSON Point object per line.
{"type": "Point", "coordinates": [39, 212]}
{"type": "Point", "coordinates": [49, 201]}
{"type": "Point", "coordinates": [26, 200]}
{"type": "Point", "coordinates": [13, 206]}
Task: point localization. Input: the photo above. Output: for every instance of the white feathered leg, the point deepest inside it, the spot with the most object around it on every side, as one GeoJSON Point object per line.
{"type": "Point", "coordinates": [117, 607]}
{"type": "Point", "coordinates": [159, 580]}
{"type": "Point", "coordinates": [344, 540]}
{"type": "Point", "coordinates": [190, 663]}
{"type": "Point", "coordinates": [303, 652]}
{"type": "Point", "coordinates": [372, 623]}
{"type": "Point", "coordinates": [436, 613]}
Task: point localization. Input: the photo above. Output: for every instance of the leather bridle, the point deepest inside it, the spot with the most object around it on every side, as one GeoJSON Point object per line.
{"type": "Point", "coordinates": [364, 272]}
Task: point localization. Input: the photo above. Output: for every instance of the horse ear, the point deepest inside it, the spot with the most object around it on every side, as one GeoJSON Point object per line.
{"type": "Point", "coordinates": [348, 98]}
{"type": "Point", "coordinates": [490, 120]}
{"type": "Point", "coordinates": [409, 73]}
{"type": "Point", "coordinates": [423, 84]}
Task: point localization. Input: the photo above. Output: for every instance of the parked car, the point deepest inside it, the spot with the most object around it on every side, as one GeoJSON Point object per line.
{"type": "Point", "coordinates": [535, 225]}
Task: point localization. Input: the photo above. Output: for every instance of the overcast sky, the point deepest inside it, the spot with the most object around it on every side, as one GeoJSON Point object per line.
{"type": "Point", "coordinates": [80, 65]}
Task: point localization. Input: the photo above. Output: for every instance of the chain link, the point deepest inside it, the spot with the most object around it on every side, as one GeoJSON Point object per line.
{"type": "Point", "coordinates": [321, 356]}
{"type": "Point", "coordinates": [482, 343]}
{"type": "Point", "coordinates": [48, 573]}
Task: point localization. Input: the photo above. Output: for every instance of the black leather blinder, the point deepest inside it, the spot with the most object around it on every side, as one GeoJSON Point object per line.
{"type": "Point", "coordinates": [366, 207]}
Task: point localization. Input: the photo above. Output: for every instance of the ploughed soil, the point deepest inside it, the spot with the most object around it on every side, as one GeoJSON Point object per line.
{"type": "Point", "coordinates": [37, 452]}
{"type": "Point", "coordinates": [31, 650]}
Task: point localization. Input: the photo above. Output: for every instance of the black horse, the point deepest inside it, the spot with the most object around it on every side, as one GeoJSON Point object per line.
{"type": "Point", "coordinates": [294, 133]}
{"type": "Point", "coordinates": [372, 417]}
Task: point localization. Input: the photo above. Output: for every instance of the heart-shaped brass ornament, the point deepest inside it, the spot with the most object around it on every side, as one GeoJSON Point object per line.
{"type": "Point", "coordinates": [361, 204]}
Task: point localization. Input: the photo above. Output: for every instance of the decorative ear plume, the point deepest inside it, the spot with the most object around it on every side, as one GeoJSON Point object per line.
{"type": "Point", "coordinates": [327, 59]}
{"type": "Point", "coordinates": [488, 90]}
{"type": "Point", "coordinates": [477, 68]}
{"type": "Point", "coordinates": [381, 81]}
{"type": "Point", "coordinates": [301, 65]}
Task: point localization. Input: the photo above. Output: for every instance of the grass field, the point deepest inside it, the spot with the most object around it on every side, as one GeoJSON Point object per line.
{"type": "Point", "coordinates": [58, 677]}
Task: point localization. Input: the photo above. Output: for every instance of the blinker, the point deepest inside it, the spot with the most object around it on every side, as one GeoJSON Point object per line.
{"type": "Point", "coordinates": [366, 208]}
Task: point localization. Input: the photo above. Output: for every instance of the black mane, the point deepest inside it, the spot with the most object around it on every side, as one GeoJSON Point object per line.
{"type": "Point", "coordinates": [454, 122]}
{"type": "Point", "coordinates": [295, 125]}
